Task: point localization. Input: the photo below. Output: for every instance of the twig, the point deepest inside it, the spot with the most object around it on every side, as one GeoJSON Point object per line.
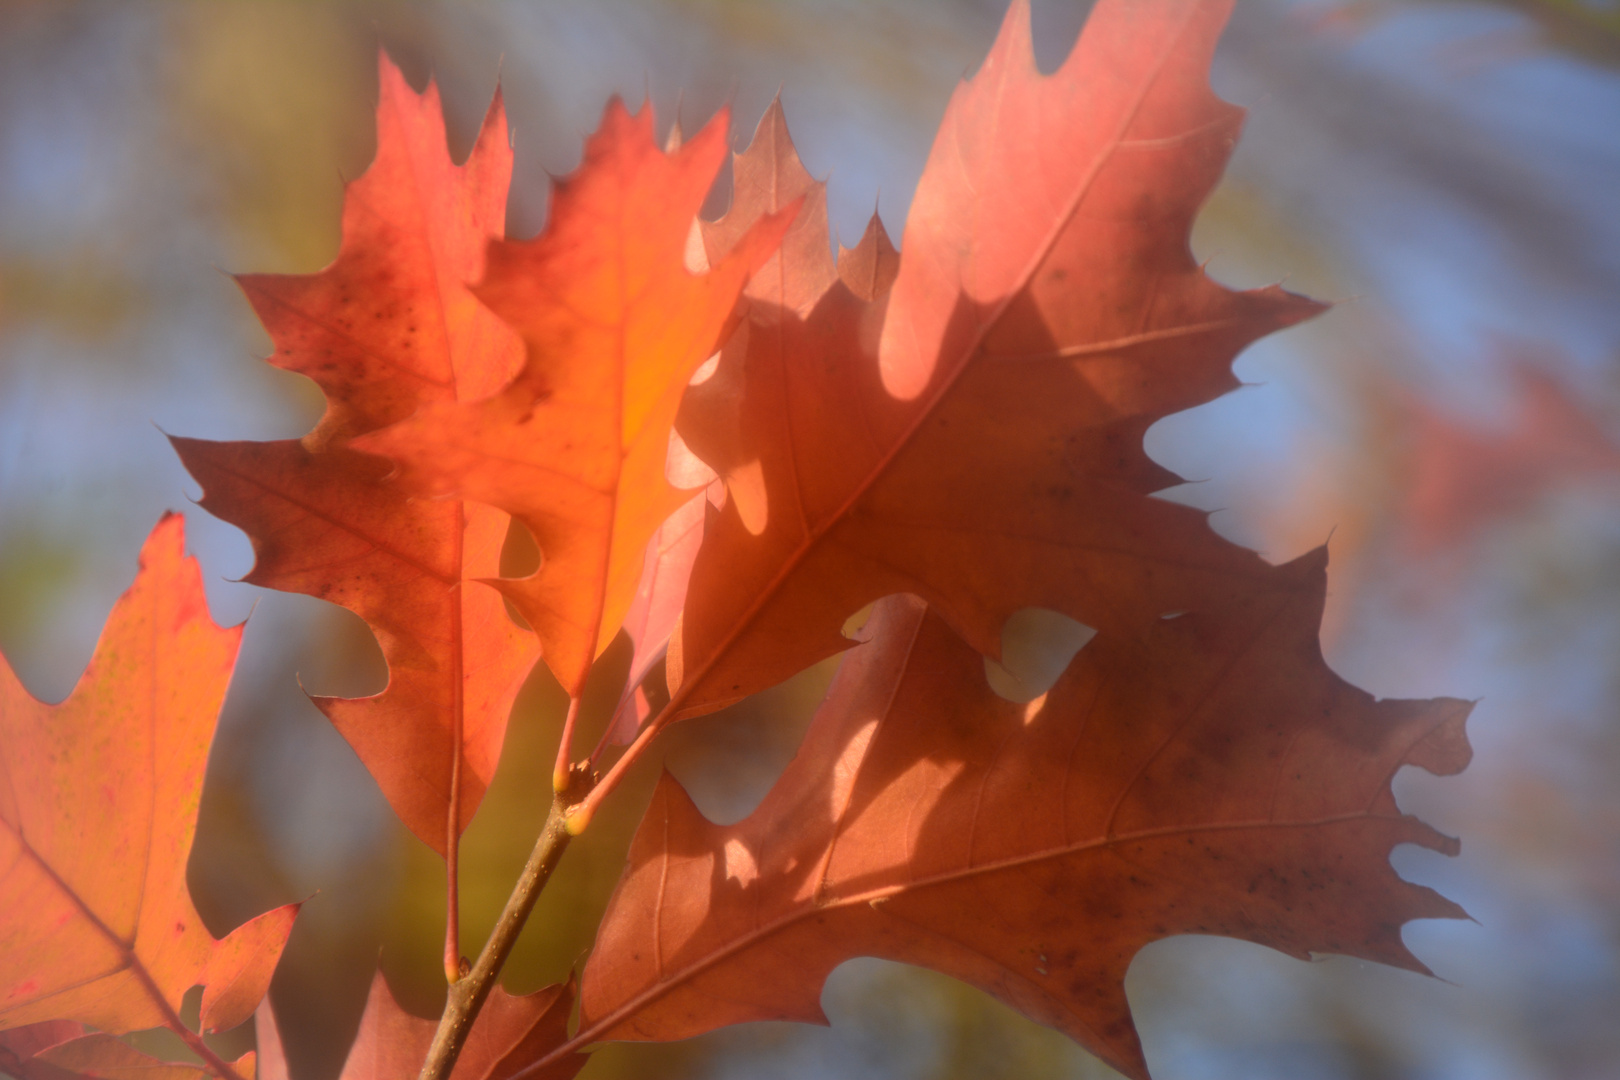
{"type": "Point", "coordinates": [467, 994]}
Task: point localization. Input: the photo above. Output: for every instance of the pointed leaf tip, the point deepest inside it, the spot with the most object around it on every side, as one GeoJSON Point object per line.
{"type": "Point", "coordinates": [869, 268]}
{"type": "Point", "coordinates": [1014, 46]}
{"type": "Point", "coordinates": [768, 177]}
{"type": "Point", "coordinates": [238, 974]}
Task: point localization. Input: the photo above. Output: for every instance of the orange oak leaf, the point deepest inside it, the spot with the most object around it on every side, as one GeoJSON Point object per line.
{"type": "Point", "coordinates": [614, 324]}
{"type": "Point", "coordinates": [973, 434]}
{"type": "Point", "coordinates": [1210, 776]}
{"type": "Point", "coordinates": [510, 1032]}
{"type": "Point", "coordinates": [98, 806]}
{"type": "Point", "coordinates": [389, 328]}
{"type": "Point", "coordinates": [666, 569]}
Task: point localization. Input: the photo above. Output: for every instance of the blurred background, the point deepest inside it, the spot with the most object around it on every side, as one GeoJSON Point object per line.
{"type": "Point", "coordinates": [1449, 172]}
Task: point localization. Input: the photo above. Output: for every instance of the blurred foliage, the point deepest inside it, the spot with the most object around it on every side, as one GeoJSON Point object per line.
{"type": "Point", "coordinates": [1588, 29]}
{"type": "Point", "coordinates": [272, 101]}
{"type": "Point", "coordinates": [33, 572]}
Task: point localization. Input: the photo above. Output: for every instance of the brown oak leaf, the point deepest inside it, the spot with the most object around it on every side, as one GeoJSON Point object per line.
{"type": "Point", "coordinates": [1210, 776]}
{"type": "Point", "coordinates": [510, 1032]}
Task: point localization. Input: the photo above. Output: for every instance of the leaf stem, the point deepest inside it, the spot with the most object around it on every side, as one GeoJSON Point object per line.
{"type": "Point", "coordinates": [565, 747]}
{"type": "Point", "coordinates": [171, 1019]}
{"type": "Point", "coordinates": [467, 994]}
{"type": "Point", "coordinates": [217, 1064]}
{"type": "Point", "coordinates": [452, 817]}
{"type": "Point", "coordinates": [452, 875]}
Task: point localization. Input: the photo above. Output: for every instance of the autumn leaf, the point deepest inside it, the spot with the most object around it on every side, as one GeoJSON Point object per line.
{"type": "Point", "coordinates": [98, 806]}
{"type": "Point", "coordinates": [1211, 776]}
{"type": "Point", "coordinates": [869, 268]}
{"type": "Point", "coordinates": [20, 1043]}
{"type": "Point", "coordinates": [510, 1032]}
{"type": "Point", "coordinates": [655, 610]}
{"type": "Point", "coordinates": [973, 435]}
{"type": "Point", "coordinates": [389, 328]}
{"type": "Point", "coordinates": [100, 1056]}
{"type": "Point", "coordinates": [766, 179]}
{"type": "Point", "coordinates": [614, 325]}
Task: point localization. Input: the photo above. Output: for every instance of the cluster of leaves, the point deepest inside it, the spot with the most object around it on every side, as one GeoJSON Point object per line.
{"type": "Point", "coordinates": [949, 436]}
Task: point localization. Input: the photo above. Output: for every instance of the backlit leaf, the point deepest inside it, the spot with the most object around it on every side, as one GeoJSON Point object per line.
{"type": "Point", "coordinates": [973, 434]}
{"type": "Point", "coordinates": [389, 328]}
{"type": "Point", "coordinates": [98, 807]}
{"type": "Point", "coordinates": [1212, 776]}
{"type": "Point", "coordinates": [615, 324]}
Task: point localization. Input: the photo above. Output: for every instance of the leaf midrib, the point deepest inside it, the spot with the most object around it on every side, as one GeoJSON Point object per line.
{"type": "Point", "coordinates": [877, 896]}
{"type": "Point", "coordinates": [946, 385]}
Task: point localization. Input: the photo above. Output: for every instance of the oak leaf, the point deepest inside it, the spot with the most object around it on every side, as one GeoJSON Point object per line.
{"type": "Point", "coordinates": [973, 433]}
{"type": "Point", "coordinates": [614, 325]}
{"type": "Point", "coordinates": [1210, 776]}
{"type": "Point", "coordinates": [99, 1056]}
{"type": "Point", "coordinates": [18, 1044]}
{"type": "Point", "coordinates": [98, 807]}
{"type": "Point", "coordinates": [655, 610]}
{"type": "Point", "coordinates": [510, 1032]}
{"type": "Point", "coordinates": [389, 328]}
{"type": "Point", "coordinates": [766, 178]}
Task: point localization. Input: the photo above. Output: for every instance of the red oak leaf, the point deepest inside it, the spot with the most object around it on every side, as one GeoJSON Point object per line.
{"type": "Point", "coordinates": [19, 1045]}
{"type": "Point", "coordinates": [615, 324]}
{"type": "Point", "coordinates": [973, 433]}
{"type": "Point", "coordinates": [1209, 776]}
{"type": "Point", "coordinates": [656, 609]}
{"type": "Point", "coordinates": [389, 328]}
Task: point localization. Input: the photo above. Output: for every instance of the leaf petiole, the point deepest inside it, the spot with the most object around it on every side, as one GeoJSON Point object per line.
{"type": "Point", "coordinates": [561, 772]}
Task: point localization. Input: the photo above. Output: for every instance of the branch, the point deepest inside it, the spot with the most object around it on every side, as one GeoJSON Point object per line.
{"type": "Point", "coordinates": [467, 994]}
